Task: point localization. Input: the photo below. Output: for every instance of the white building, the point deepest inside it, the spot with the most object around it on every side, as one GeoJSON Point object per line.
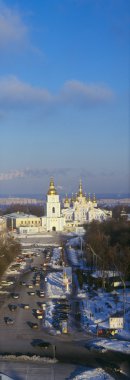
{"type": "Point", "coordinates": [54, 220]}
{"type": "Point", "coordinates": [75, 212]}
{"type": "Point", "coordinates": [83, 210]}
{"type": "Point", "coordinates": [20, 219]}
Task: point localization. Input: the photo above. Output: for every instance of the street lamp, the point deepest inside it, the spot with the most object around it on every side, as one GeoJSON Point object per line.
{"type": "Point", "coordinates": [94, 256]}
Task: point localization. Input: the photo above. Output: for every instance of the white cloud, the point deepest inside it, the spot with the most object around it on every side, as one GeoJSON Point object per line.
{"type": "Point", "coordinates": [12, 27]}
{"type": "Point", "coordinates": [77, 92]}
{"type": "Point", "coordinates": [14, 92]}
{"type": "Point", "coordinates": [59, 187]}
{"type": "Point", "coordinates": [11, 175]}
{"type": "Point", "coordinates": [34, 173]}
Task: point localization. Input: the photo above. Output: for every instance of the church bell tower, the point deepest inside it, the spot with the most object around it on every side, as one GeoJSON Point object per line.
{"type": "Point", "coordinates": [53, 203]}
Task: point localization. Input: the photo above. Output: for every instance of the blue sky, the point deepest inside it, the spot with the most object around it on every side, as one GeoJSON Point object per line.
{"type": "Point", "coordinates": [64, 95]}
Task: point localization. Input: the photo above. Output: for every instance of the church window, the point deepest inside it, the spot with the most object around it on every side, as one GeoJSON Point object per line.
{"type": "Point", "coordinates": [53, 210]}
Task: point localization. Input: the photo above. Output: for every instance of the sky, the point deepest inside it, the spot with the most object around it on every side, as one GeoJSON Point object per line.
{"type": "Point", "coordinates": [64, 95]}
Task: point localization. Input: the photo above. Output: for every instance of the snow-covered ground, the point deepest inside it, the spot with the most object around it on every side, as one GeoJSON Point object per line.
{"type": "Point", "coordinates": [96, 309]}
{"type": "Point", "coordinates": [97, 306]}
{"type": "Point", "coordinates": [93, 374]}
{"type": "Point", "coordinates": [72, 255]}
{"type": "Point", "coordinates": [27, 236]}
{"type": "Point", "coordinates": [55, 259]}
{"type": "Point", "coordinates": [113, 344]}
{"type": "Point", "coordinates": [55, 289]}
{"type": "Point", "coordinates": [49, 314]}
{"type": "Point", "coordinates": [54, 285]}
{"type": "Point", "coordinates": [41, 244]}
{"type": "Point", "coordinates": [55, 282]}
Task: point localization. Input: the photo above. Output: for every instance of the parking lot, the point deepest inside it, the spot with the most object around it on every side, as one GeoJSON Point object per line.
{"type": "Point", "coordinates": [23, 307]}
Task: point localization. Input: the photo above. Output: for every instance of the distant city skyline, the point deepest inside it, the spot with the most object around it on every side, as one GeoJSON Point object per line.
{"type": "Point", "coordinates": [64, 95]}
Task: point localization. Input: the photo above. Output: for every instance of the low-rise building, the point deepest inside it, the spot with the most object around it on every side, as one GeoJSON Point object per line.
{"type": "Point", "coordinates": [19, 219]}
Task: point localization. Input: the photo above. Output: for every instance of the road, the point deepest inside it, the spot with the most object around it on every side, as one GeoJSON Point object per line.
{"type": "Point", "coordinates": [38, 370]}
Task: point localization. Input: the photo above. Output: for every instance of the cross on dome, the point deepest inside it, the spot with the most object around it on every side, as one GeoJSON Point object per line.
{"type": "Point", "coordinates": [52, 190]}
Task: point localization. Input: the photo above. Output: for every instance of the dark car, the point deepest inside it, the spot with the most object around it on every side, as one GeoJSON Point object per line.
{"type": "Point", "coordinates": [35, 342]}
{"type": "Point", "coordinates": [33, 325]}
{"type": "Point", "coordinates": [23, 283]}
{"type": "Point", "coordinates": [40, 293]}
{"type": "Point", "coordinates": [31, 293]}
{"type": "Point", "coordinates": [42, 305]}
{"type": "Point", "coordinates": [15, 295]}
{"type": "Point", "coordinates": [9, 321]}
{"type": "Point", "coordinates": [12, 307]}
{"type": "Point", "coordinates": [44, 345]}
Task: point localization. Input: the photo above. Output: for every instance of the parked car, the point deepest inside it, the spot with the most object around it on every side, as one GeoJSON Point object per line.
{"type": "Point", "coordinates": [31, 293]}
{"type": "Point", "coordinates": [42, 304]}
{"type": "Point", "coordinates": [44, 345]}
{"type": "Point", "coordinates": [39, 311]}
{"type": "Point", "coordinates": [23, 283]}
{"type": "Point", "coordinates": [15, 295]}
{"type": "Point", "coordinates": [34, 325]}
{"type": "Point", "coordinates": [26, 306]}
{"type": "Point", "coordinates": [39, 316]}
{"type": "Point", "coordinates": [9, 321]}
{"type": "Point", "coordinates": [12, 307]}
{"type": "Point", "coordinates": [41, 293]}
{"type": "Point", "coordinates": [30, 286]}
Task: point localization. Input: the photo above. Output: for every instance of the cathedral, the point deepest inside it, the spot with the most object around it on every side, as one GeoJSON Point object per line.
{"type": "Point", "coordinates": [73, 212]}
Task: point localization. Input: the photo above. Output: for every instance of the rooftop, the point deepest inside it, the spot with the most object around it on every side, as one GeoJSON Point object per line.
{"type": "Point", "coordinates": [20, 215]}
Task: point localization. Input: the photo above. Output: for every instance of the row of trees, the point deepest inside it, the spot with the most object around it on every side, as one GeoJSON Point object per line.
{"type": "Point", "coordinates": [108, 246]}
{"type": "Point", "coordinates": [37, 210]}
{"type": "Point", "coordinates": [9, 249]}
{"type": "Point", "coordinates": [116, 211]}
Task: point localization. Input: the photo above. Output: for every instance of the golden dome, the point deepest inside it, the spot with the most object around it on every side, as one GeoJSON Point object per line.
{"type": "Point", "coordinates": [52, 190]}
{"type": "Point", "coordinates": [66, 199]}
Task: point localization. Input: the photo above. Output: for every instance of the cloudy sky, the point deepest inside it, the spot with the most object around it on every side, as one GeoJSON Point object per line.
{"type": "Point", "coordinates": [64, 95]}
